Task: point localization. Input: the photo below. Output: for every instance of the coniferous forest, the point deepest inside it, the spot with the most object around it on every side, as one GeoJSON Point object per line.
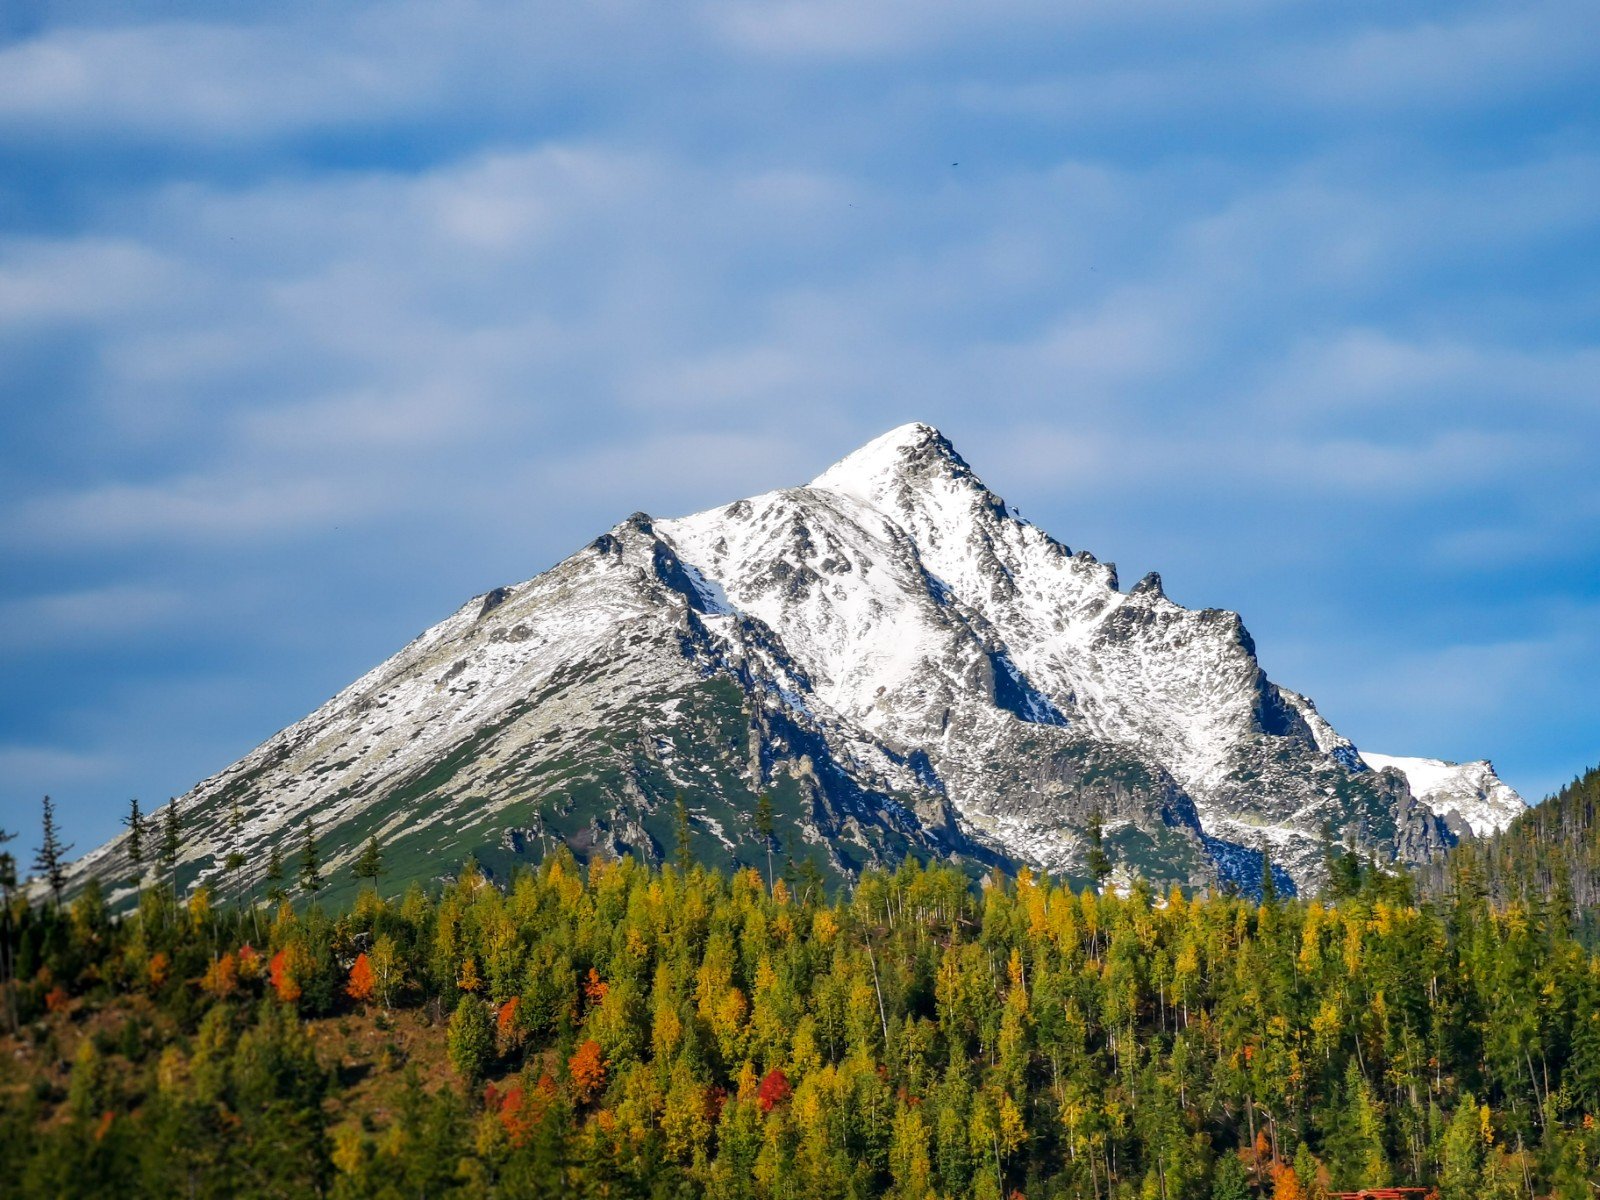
{"type": "Point", "coordinates": [611, 1030]}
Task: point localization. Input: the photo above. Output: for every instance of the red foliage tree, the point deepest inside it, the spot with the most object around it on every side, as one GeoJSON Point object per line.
{"type": "Point", "coordinates": [774, 1090]}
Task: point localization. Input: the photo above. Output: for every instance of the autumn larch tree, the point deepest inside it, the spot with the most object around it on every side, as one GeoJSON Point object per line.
{"type": "Point", "coordinates": [361, 985]}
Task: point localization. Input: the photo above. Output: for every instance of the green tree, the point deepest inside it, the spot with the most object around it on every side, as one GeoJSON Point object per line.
{"type": "Point", "coordinates": [171, 843]}
{"type": "Point", "coordinates": [137, 831]}
{"type": "Point", "coordinates": [310, 874]}
{"type": "Point", "coordinates": [234, 864]}
{"type": "Point", "coordinates": [1461, 1157]}
{"type": "Point", "coordinates": [1099, 861]}
{"type": "Point", "coordinates": [683, 855]}
{"type": "Point", "coordinates": [1269, 886]}
{"type": "Point", "coordinates": [370, 865]}
{"type": "Point", "coordinates": [51, 858]}
{"type": "Point", "coordinates": [765, 827]}
{"type": "Point", "coordinates": [274, 876]}
{"type": "Point", "coordinates": [470, 1039]}
{"type": "Point", "coordinates": [8, 887]}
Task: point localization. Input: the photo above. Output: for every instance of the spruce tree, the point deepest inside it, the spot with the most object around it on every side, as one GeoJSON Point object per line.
{"type": "Point", "coordinates": [171, 843]}
{"type": "Point", "coordinates": [1099, 860]}
{"type": "Point", "coordinates": [764, 827]}
{"type": "Point", "coordinates": [137, 829]}
{"type": "Point", "coordinates": [235, 861]}
{"type": "Point", "coordinates": [51, 857]}
{"type": "Point", "coordinates": [8, 886]}
{"type": "Point", "coordinates": [684, 855]}
{"type": "Point", "coordinates": [370, 864]}
{"type": "Point", "coordinates": [274, 876]}
{"type": "Point", "coordinates": [310, 861]}
{"type": "Point", "coordinates": [1269, 886]}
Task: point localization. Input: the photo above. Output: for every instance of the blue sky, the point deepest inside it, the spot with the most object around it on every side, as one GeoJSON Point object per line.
{"type": "Point", "coordinates": [317, 319]}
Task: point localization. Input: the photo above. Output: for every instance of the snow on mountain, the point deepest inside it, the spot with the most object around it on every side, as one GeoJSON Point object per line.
{"type": "Point", "coordinates": [890, 652]}
{"type": "Point", "coordinates": [1469, 793]}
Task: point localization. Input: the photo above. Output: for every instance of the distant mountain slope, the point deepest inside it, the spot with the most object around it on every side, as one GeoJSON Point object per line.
{"type": "Point", "coordinates": [1470, 796]}
{"type": "Point", "coordinates": [1550, 853]}
{"type": "Point", "coordinates": [894, 655]}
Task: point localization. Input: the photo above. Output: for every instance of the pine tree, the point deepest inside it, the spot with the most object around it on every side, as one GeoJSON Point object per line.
{"type": "Point", "coordinates": [8, 886]}
{"type": "Point", "coordinates": [684, 854]}
{"type": "Point", "coordinates": [274, 876]}
{"type": "Point", "coordinates": [764, 827]}
{"type": "Point", "coordinates": [137, 828]}
{"type": "Point", "coordinates": [8, 869]}
{"type": "Point", "coordinates": [1099, 860]}
{"type": "Point", "coordinates": [1269, 886]}
{"type": "Point", "coordinates": [310, 861]}
{"type": "Point", "coordinates": [370, 864]}
{"type": "Point", "coordinates": [171, 843]}
{"type": "Point", "coordinates": [235, 861]}
{"type": "Point", "coordinates": [51, 857]}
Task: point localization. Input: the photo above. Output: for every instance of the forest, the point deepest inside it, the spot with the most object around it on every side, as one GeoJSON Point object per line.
{"type": "Point", "coordinates": [611, 1030]}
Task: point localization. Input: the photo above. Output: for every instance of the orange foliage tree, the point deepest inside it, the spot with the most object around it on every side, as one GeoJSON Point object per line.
{"type": "Point", "coordinates": [281, 974]}
{"type": "Point", "coordinates": [221, 977]}
{"type": "Point", "coordinates": [588, 1070]}
{"type": "Point", "coordinates": [361, 985]}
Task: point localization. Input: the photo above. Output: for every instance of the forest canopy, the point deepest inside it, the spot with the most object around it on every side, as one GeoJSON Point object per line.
{"type": "Point", "coordinates": [615, 1030]}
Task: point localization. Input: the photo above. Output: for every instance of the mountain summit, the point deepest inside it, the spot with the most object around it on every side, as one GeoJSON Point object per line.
{"type": "Point", "coordinates": [890, 653]}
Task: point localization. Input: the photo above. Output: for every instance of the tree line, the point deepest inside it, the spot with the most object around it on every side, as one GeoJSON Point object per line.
{"type": "Point", "coordinates": [618, 1030]}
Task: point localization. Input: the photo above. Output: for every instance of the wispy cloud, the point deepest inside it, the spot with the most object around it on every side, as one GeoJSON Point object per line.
{"type": "Point", "coordinates": [326, 318]}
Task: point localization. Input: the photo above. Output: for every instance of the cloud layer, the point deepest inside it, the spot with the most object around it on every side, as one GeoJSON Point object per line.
{"type": "Point", "coordinates": [315, 320]}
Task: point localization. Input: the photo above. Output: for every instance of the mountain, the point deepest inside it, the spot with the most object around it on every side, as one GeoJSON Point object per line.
{"type": "Point", "coordinates": [896, 657]}
{"type": "Point", "coordinates": [1469, 796]}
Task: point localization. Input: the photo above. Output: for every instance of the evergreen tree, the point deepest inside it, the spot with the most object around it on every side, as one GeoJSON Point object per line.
{"type": "Point", "coordinates": [274, 876]}
{"type": "Point", "coordinates": [51, 858]}
{"type": "Point", "coordinates": [1099, 860]}
{"type": "Point", "coordinates": [1269, 886]}
{"type": "Point", "coordinates": [765, 827]}
{"type": "Point", "coordinates": [8, 887]}
{"type": "Point", "coordinates": [683, 855]}
{"type": "Point", "coordinates": [171, 843]}
{"type": "Point", "coordinates": [137, 828]}
{"type": "Point", "coordinates": [8, 868]}
{"type": "Point", "coordinates": [235, 861]}
{"type": "Point", "coordinates": [310, 861]}
{"type": "Point", "coordinates": [370, 865]}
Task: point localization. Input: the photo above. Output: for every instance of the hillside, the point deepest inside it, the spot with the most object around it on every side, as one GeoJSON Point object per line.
{"type": "Point", "coordinates": [623, 1032]}
{"type": "Point", "coordinates": [1549, 855]}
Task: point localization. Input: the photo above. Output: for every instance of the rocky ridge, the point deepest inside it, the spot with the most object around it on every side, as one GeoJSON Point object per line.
{"type": "Point", "coordinates": [891, 653]}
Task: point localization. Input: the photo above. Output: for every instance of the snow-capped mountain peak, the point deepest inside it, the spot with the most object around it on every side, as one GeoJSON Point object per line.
{"type": "Point", "coordinates": [1470, 793]}
{"type": "Point", "coordinates": [890, 652]}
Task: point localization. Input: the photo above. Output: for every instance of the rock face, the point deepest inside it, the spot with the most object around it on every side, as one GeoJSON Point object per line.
{"type": "Point", "coordinates": [1470, 797]}
{"type": "Point", "coordinates": [893, 655]}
